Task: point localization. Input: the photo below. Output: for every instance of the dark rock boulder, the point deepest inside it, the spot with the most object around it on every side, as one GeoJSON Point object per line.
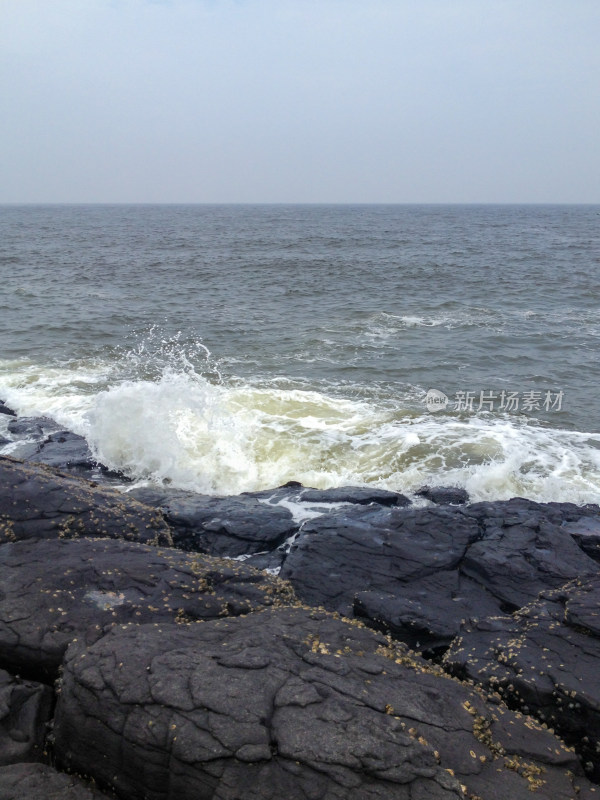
{"type": "Point", "coordinates": [580, 522]}
{"type": "Point", "coordinates": [42, 782]}
{"type": "Point", "coordinates": [525, 549]}
{"type": "Point", "coordinates": [62, 450]}
{"type": "Point", "coordinates": [270, 561]}
{"type": "Point", "coordinates": [38, 502]}
{"type": "Point", "coordinates": [222, 526]}
{"type": "Point", "coordinates": [68, 452]}
{"type": "Point", "coordinates": [444, 495]}
{"type": "Point", "coordinates": [25, 710]}
{"type": "Point", "coordinates": [358, 495]}
{"type": "Point", "coordinates": [419, 572]}
{"type": "Point", "coordinates": [55, 590]}
{"type": "Point", "coordinates": [543, 659]}
{"type": "Point", "coordinates": [291, 703]}
{"type": "Point", "coordinates": [519, 509]}
{"type": "Point", "coordinates": [4, 409]}
{"type": "Point", "coordinates": [586, 532]}
{"type": "Point", "coordinates": [251, 524]}
{"type": "Point", "coordinates": [32, 427]}
{"type": "Point", "coordinates": [374, 560]}
{"type": "Point", "coordinates": [286, 491]}
{"type": "Point", "coordinates": [425, 613]}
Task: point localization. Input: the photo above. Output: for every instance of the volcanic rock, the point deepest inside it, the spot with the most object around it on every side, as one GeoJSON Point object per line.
{"type": "Point", "coordinates": [354, 494]}
{"type": "Point", "coordinates": [38, 502]}
{"type": "Point", "coordinates": [63, 450]}
{"type": "Point", "coordinates": [68, 452]}
{"type": "Point", "coordinates": [544, 660]}
{"type": "Point", "coordinates": [359, 495]}
{"type": "Point", "coordinates": [222, 526]}
{"type": "Point", "coordinates": [32, 427]}
{"type": "Point", "coordinates": [42, 782]}
{"type": "Point", "coordinates": [291, 703]}
{"type": "Point", "coordinates": [419, 572]}
{"type": "Point", "coordinates": [586, 532]}
{"type": "Point", "coordinates": [444, 495]}
{"type": "Point", "coordinates": [54, 591]}
{"type": "Point", "coordinates": [4, 409]}
{"type": "Point", "coordinates": [25, 710]}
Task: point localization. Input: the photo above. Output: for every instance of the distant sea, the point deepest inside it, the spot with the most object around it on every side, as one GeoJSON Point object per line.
{"type": "Point", "coordinates": [233, 348]}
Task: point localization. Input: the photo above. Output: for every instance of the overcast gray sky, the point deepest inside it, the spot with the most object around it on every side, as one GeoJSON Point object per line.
{"type": "Point", "coordinates": [300, 101]}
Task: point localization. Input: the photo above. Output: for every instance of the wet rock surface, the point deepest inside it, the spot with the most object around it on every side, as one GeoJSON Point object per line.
{"type": "Point", "coordinates": [223, 526]}
{"type": "Point", "coordinates": [41, 440]}
{"type": "Point", "coordinates": [188, 675]}
{"type": "Point", "coordinates": [295, 492]}
{"type": "Point", "coordinates": [444, 495]}
{"type": "Point", "coordinates": [42, 782]}
{"type": "Point", "coordinates": [586, 532]}
{"type": "Point", "coordinates": [525, 549]}
{"type": "Point", "coordinates": [544, 659]}
{"type": "Point", "coordinates": [419, 572]}
{"type": "Point", "coordinates": [32, 428]}
{"type": "Point", "coordinates": [375, 561]}
{"type": "Point", "coordinates": [64, 450]}
{"type": "Point", "coordinates": [4, 409]}
{"type": "Point", "coordinates": [25, 711]}
{"type": "Point", "coordinates": [354, 494]}
{"type": "Point", "coordinates": [54, 591]}
{"type": "Point", "coordinates": [38, 502]}
{"type": "Point", "coordinates": [291, 703]}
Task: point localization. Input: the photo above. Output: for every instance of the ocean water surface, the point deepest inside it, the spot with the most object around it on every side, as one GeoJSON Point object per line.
{"type": "Point", "coordinates": [233, 348]}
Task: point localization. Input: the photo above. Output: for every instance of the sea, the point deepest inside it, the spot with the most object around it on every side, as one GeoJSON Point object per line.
{"type": "Point", "coordinates": [232, 348]}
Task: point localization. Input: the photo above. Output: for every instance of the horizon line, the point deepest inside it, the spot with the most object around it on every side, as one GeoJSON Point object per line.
{"type": "Point", "coordinates": [295, 203]}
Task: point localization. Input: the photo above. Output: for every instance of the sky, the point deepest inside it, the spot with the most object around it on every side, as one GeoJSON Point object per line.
{"type": "Point", "coordinates": [300, 101]}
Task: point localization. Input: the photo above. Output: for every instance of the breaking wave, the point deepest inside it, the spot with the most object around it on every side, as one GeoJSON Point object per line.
{"type": "Point", "coordinates": [167, 415]}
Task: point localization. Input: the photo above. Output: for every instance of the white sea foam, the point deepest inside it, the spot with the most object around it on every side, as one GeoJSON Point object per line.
{"type": "Point", "coordinates": [64, 393]}
{"type": "Point", "coordinates": [384, 325]}
{"type": "Point", "coordinates": [303, 511]}
{"type": "Point", "coordinates": [223, 438]}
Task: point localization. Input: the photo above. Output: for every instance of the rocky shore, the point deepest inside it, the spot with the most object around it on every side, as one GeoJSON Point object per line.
{"type": "Point", "coordinates": [157, 644]}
